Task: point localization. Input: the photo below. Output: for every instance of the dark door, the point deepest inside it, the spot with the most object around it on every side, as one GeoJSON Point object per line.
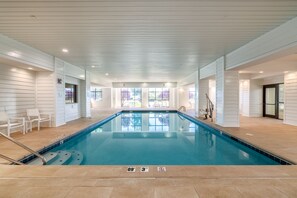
{"type": "Point", "coordinates": [273, 103]}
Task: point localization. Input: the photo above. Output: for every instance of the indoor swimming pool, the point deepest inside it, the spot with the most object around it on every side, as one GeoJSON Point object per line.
{"type": "Point", "coordinates": [154, 138]}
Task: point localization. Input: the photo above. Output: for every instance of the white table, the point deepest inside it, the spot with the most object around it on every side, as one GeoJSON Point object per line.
{"type": "Point", "coordinates": [28, 124]}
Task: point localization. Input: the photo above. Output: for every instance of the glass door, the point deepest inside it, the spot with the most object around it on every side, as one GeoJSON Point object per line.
{"type": "Point", "coordinates": [273, 101]}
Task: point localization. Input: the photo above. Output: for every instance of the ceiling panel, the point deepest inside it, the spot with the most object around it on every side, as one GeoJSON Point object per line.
{"type": "Point", "coordinates": [141, 40]}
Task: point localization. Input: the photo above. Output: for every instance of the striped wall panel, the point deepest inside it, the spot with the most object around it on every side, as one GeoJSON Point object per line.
{"type": "Point", "coordinates": [60, 93]}
{"type": "Point", "coordinates": [208, 70]}
{"type": "Point", "coordinates": [45, 100]}
{"type": "Point", "coordinates": [203, 89]}
{"type": "Point", "coordinates": [227, 96]}
{"type": "Point", "coordinates": [17, 90]}
{"type": "Point", "coordinates": [280, 38]}
{"type": "Point", "coordinates": [220, 91]}
{"type": "Point", "coordinates": [13, 49]}
{"type": "Point", "coordinates": [290, 116]}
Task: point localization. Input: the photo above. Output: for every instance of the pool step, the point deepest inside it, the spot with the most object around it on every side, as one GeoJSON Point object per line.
{"type": "Point", "coordinates": [76, 158]}
{"type": "Point", "coordinates": [70, 157]}
{"type": "Point", "coordinates": [63, 158]}
{"type": "Point", "coordinates": [50, 157]}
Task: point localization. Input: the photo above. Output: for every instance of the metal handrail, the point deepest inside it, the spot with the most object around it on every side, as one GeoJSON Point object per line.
{"type": "Point", "coordinates": [182, 108]}
{"type": "Point", "coordinates": [11, 160]}
{"type": "Point", "coordinates": [210, 107]}
{"type": "Point", "coordinates": [24, 147]}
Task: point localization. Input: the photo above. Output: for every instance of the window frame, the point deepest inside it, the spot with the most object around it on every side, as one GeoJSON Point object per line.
{"type": "Point", "coordinates": [157, 98]}
{"type": "Point", "coordinates": [133, 92]}
{"type": "Point", "coordinates": [71, 93]}
{"type": "Point", "coordinates": [94, 93]}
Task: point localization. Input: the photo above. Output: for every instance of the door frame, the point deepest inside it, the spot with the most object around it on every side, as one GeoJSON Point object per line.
{"type": "Point", "coordinates": [276, 86]}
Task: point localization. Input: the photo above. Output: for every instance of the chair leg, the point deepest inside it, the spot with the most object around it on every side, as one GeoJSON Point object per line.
{"type": "Point", "coordinates": [8, 131]}
{"type": "Point", "coordinates": [38, 125]}
{"type": "Point", "coordinates": [24, 129]}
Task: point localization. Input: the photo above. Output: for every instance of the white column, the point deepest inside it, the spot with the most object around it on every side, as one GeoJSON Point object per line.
{"type": "Point", "coordinates": [86, 96]}
{"type": "Point", "coordinates": [144, 97]}
{"type": "Point", "coordinates": [290, 115]}
{"type": "Point", "coordinates": [172, 98]}
{"type": "Point", "coordinates": [197, 95]}
{"type": "Point", "coordinates": [203, 89]}
{"type": "Point", "coordinates": [227, 95]}
{"type": "Point", "coordinates": [59, 82]}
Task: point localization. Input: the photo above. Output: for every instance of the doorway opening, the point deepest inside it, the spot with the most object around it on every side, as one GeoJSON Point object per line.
{"type": "Point", "coordinates": [273, 101]}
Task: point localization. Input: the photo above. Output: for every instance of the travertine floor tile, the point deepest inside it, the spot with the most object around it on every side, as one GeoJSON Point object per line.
{"type": "Point", "coordinates": [88, 192]}
{"type": "Point", "coordinates": [135, 192]}
{"type": "Point", "coordinates": [175, 192]}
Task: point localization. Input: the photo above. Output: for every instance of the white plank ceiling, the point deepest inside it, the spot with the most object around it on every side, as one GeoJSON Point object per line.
{"type": "Point", "coordinates": [141, 40]}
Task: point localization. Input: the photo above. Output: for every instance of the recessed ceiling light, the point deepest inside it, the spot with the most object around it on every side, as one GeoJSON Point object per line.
{"type": "Point", "coordinates": [14, 54]}
{"type": "Point", "coordinates": [30, 68]}
{"type": "Point", "coordinates": [82, 76]}
{"type": "Point", "coordinates": [64, 50]}
{"type": "Point", "coordinates": [93, 66]}
{"type": "Point", "coordinates": [106, 74]}
{"type": "Point", "coordinates": [261, 72]}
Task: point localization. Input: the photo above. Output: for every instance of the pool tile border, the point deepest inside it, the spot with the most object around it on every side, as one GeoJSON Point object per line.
{"type": "Point", "coordinates": [268, 154]}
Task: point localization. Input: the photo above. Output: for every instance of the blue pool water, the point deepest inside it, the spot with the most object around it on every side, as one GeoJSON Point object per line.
{"type": "Point", "coordinates": [154, 138]}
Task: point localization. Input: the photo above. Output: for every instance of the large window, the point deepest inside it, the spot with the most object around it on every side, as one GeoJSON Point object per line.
{"type": "Point", "coordinates": [158, 97]}
{"type": "Point", "coordinates": [70, 93]}
{"type": "Point", "coordinates": [131, 97]}
{"type": "Point", "coordinates": [96, 94]}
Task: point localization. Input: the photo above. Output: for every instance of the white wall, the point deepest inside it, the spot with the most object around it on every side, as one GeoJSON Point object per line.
{"type": "Point", "coordinates": [208, 71]}
{"type": "Point", "coordinates": [74, 71]}
{"type": "Point", "coordinates": [273, 80]}
{"type": "Point", "coordinates": [212, 91]}
{"type": "Point", "coordinates": [183, 96]}
{"type": "Point", "coordinates": [244, 98]}
{"type": "Point", "coordinates": [203, 89]}
{"type": "Point", "coordinates": [256, 98]}
{"type": "Point", "coordinates": [290, 115]}
{"type": "Point", "coordinates": [14, 50]}
{"type": "Point", "coordinates": [278, 40]}
{"type": "Point", "coordinates": [73, 111]}
{"type": "Point", "coordinates": [45, 97]}
{"type": "Point", "coordinates": [17, 90]}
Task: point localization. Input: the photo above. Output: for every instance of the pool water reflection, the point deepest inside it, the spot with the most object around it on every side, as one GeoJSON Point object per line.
{"type": "Point", "coordinates": [154, 138]}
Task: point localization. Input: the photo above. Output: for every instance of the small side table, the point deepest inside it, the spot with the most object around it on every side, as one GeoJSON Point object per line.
{"type": "Point", "coordinates": [28, 125]}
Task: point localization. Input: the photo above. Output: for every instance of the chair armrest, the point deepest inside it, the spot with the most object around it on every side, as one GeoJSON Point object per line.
{"type": "Point", "coordinates": [18, 118]}
{"type": "Point", "coordinates": [49, 115]}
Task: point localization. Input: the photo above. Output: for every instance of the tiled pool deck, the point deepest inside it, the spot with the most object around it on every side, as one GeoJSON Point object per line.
{"type": "Point", "coordinates": [178, 181]}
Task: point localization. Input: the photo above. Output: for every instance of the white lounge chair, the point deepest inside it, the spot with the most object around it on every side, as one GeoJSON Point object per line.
{"type": "Point", "coordinates": [11, 123]}
{"type": "Point", "coordinates": [34, 116]}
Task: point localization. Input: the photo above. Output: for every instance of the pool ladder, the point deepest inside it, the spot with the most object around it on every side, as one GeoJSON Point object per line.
{"type": "Point", "coordinates": [24, 147]}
